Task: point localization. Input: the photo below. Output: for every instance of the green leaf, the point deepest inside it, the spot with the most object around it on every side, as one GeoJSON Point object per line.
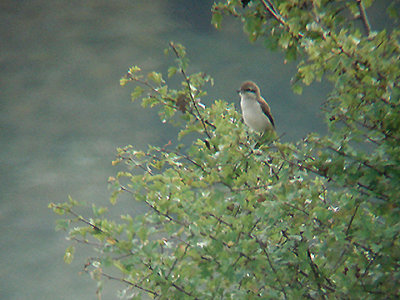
{"type": "Point", "coordinates": [62, 224]}
{"type": "Point", "coordinates": [137, 92]}
{"type": "Point", "coordinates": [216, 19]}
{"type": "Point", "coordinates": [69, 254]}
{"type": "Point", "coordinates": [156, 77]}
{"type": "Point", "coordinates": [291, 53]}
{"type": "Point", "coordinates": [307, 74]}
{"type": "Point", "coordinates": [297, 89]}
{"type": "Point", "coordinates": [172, 71]}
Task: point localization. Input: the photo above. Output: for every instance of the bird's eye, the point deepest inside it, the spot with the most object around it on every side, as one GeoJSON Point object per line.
{"type": "Point", "coordinates": [250, 90]}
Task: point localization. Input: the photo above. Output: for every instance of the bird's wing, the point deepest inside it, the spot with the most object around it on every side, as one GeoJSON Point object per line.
{"type": "Point", "coordinates": [267, 111]}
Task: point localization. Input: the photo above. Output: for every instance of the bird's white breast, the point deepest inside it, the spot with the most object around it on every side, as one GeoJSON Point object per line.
{"type": "Point", "coordinates": [253, 115]}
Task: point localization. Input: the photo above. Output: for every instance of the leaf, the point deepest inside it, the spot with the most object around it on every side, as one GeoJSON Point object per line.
{"type": "Point", "coordinates": [137, 92]}
{"type": "Point", "coordinates": [57, 209]}
{"type": "Point", "coordinates": [216, 19]}
{"type": "Point", "coordinates": [291, 53]}
{"type": "Point", "coordinates": [123, 81]}
{"type": "Point", "coordinates": [62, 224]}
{"type": "Point", "coordinates": [172, 71]}
{"type": "Point", "coordinates": [307, 74]}
{"type": "Point", "coordinates": [69, 254]}
{"type": "Point", "coordinates": [297, 89]}
{"type": "Point", "coordinates": [98, 211]}
{"type": "Point", "coordinates": [156, 77]}
{"type": "Point", "coordinates": [133, 70]}
{"type": "Point", "coordinates": [114, 196]}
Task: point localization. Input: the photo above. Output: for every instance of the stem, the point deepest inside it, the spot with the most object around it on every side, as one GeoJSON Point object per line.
{"type": "Point", "coordinates": [269, 6]}
{"type": "Point", "coordinates": [364, 17]}
{"type": "Point", "coordinates": [160, 213]}
{"type": "Point", "coordinates": [263, 247]}
{"type": "Point", "coordinates": [271, 9]}
{"type": "Point", "coordinates": [129, 283]}
{"type": "Point", "coordinates": [190, 92]}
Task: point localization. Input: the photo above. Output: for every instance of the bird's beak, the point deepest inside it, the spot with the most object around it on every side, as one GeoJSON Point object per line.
{"type": "Point", "coordinates": [238, 91]}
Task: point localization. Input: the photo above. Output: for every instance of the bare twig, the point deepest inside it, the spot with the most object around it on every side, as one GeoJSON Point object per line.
{"type": "Point", "coordinates": [344, 251]}
{"type": "Point", "coordinates": [364, 17]}
{"type": "Point", "coordinates": [268, 5]}
{"type": "Point", "coordinates": [83, 220]}
{"type": "Point", "coordinates": [110, 277]}
{"type": "Point", "coordinates": [203, 122]}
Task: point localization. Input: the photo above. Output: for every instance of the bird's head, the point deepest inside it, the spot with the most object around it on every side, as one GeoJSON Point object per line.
{"type": "Point", "coordinates": [249, 89]}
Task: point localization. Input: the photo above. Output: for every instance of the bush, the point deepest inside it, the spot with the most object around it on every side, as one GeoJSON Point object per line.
{"type": "Point", "coordinates": [314, 219]}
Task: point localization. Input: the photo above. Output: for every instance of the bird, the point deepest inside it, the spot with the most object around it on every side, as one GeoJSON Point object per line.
{"type": "Point", "coordinates": [255, 110]}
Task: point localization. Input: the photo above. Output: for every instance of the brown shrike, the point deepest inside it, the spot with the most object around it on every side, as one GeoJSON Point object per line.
{"type": "Point", "coordinates": [255, 110]}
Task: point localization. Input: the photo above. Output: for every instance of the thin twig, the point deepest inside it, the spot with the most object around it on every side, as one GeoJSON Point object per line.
{"type": "Point", "coordinates": [339, 261]}
{"type": "Point", "coordinates": [110, 277]}
{"type": "Point", "coordinates": [156, 91]}
{"type": "Point", "coordinates": [166, 215]}
{"type": "Point", "coordinates": [183, 291]}
{"type": "Point", "coordinates": [263, 247]}
{"type": "Point", "coordinates": [329, 178]}
{"type": "Point", "coordinates": [315, 271]}
{"type": "Point", "coordinates": [188, 158]}
{"type": "Point", "coordinates": [83, 220]}
{"type": "Point", "coordinates": [190, 92]}
{"type": "Point", "coordinates": [364, 18]}
{"type": "Point", "coordinates": [271, 169]}
{"type": "Point", "coordinates": [269, 6]}
{"type": "Point", "coordinates": [176, 261]}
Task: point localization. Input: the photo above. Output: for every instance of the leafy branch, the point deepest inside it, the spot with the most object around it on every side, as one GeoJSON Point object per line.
{"type": "Point", "coordinates": [315, 219]}
{"type": "Point", "coordinates": [189, 86]}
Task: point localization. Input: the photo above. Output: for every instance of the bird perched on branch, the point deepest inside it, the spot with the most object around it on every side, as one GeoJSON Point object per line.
{"type": "Point", "coordinates": [256, 112]}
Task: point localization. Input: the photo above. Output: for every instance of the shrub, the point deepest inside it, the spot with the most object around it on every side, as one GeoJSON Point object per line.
{"type": "Point", "coordinates": [314, 219]}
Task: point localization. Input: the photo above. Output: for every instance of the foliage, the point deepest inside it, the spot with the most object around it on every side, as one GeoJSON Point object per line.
{"type": "Point", "coordinates": [314, 219]}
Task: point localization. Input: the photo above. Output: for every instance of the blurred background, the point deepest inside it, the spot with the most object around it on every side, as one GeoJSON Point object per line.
{"type": "Point", "coordinates": [63, 114]}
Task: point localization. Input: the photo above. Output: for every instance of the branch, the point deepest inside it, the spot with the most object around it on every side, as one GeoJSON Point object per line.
{"type": "Point", "coordinates": [363, 162]}
{"type": "Point", "coordinates": [160, 213]}
{"type": "Point", "coordinates": [139, 165]}
{"type": "Point", "coordinates": [187, 157]}
{"type": "Point", "coordinates": [272, 171]}
{"type": "Point", "coordinates": [182, 290]}
{"type": "Point", "coordinates": [129, 283]}
{"type": "Point", "coordinates": [269, 6]}
{"type": "Point", "coordinates": [271, 9]}
{"type": "Point", "coordinates": [339, 261]}
{"type": "Point", "coordinates": [176, 261]}
{"type": "Point", "coordinates": [369, 190]}
{"type": "Point", "coordinates": [364, 17]}
{"type": "Point", "coordinates": [263, 247]}
{"type": "Point", "coordinates": [83, 220]}
{"type": "Point", "coordinates": [187, 79]}
{"type": "Point", "coordinates": [156, 91]}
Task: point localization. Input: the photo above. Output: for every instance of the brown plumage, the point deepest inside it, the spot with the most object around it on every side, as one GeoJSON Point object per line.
{"type": "Point", "coordinates": [256, 111]}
